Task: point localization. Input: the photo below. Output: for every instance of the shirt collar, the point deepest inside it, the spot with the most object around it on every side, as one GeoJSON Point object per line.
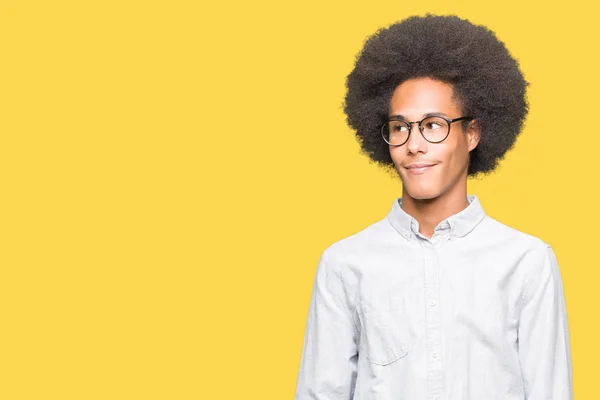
{"type": "Point", "coordinates": [459, 224]}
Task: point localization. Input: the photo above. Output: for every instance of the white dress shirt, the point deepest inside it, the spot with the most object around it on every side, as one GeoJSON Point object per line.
{"type": "Point", "coordinates": [476, 312]}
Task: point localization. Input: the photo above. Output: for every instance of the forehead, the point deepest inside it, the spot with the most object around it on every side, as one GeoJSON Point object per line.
{"type": "Point", "coordinates": [416, 97]}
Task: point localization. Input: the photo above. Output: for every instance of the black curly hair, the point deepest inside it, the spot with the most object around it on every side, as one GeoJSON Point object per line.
{"type": "Point", "coordinates": [485, 78]}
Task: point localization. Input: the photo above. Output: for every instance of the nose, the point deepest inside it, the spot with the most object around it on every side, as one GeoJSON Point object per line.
{"type": "Point", "coordinates": [416, 142]}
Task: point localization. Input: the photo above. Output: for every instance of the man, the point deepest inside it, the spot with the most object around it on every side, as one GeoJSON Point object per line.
{"type": "Point", "coordinates": [437, 300]}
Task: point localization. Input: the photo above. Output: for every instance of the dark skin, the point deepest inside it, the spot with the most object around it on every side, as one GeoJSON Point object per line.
{"type": "Point", "coordinates": [434, 193]}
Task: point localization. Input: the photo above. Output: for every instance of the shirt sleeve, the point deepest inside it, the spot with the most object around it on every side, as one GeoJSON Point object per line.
{"type": "Point", "coordinates": [543, 336]}
{"type": "Point", "coordinates": [328, 364]}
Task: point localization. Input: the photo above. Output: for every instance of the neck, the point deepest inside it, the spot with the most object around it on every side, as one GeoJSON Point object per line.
{"type": "Point", "coordinates": [430, 212]}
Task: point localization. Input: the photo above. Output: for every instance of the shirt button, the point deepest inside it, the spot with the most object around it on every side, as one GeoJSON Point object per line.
{"type": "Point", "coordinates": [432, 302]}
{"type": "Point", "coordinates": [434, 355]}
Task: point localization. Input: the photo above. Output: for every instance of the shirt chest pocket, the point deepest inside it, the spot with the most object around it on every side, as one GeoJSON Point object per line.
{"type": "Point", "coordinates": [384, 329]}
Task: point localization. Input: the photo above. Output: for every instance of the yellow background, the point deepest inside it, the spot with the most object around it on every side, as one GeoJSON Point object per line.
{"type": "Point", "coordinates": [171, 172]}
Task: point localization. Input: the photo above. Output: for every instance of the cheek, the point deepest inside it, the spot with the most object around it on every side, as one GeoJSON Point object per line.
{"type": "Point", "coordinates": [398, 156]}
{"type": "Point", "coordinates": [451, 163]}
{"type": "Point", "coordinates": [458, 159]}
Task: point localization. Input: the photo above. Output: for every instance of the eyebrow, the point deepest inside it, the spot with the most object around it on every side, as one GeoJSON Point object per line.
{"type": "Point", "coordinates": [429, 114]}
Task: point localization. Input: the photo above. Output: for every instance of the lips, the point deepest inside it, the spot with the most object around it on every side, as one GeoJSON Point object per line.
{"type": "Point", "coordinates": [418, 169]}
{"type": "Point", "coordinates": [419, 165]}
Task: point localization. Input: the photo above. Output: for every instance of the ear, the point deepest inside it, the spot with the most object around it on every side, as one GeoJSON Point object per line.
{"type": "Point", "coordinates": [473, 134]}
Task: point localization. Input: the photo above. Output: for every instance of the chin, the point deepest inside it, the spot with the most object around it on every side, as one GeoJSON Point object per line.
{"type": "Point", "coordinates": [421, 193]}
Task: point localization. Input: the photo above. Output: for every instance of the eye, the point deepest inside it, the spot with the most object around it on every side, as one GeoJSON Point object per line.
{"type": "Point", "coordinates": [433, 125]}
{"type": "Point", "coordinates": [398, 127]}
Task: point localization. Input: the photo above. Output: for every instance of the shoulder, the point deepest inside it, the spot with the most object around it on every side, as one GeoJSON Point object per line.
{"type": "Point", "coordinates": [368, 240]}
{"type": "Point", "coordinates": [535, 253]}
{"type": "Point", "coordinates": [507, 235]}
{"type": "Point", "coordinates": [348, 251]}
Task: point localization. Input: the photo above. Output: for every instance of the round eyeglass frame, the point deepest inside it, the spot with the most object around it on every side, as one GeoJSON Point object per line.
{"type": "Point", "coordinates": [410, 124]}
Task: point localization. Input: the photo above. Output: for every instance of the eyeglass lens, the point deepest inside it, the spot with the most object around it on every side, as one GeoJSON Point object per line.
{"type": "Point", "coordinates": [434, 129]}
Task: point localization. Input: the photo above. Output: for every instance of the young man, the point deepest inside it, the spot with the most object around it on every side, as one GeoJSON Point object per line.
{"type": "Point", "coordinates": [437, 300]}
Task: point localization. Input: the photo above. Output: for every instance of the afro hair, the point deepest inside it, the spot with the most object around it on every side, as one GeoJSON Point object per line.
{"type": "Point", "coordinates": [484, 76]}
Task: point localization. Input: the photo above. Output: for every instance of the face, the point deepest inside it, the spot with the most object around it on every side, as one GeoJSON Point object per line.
{"type": "Point", "coordinates": [412, 100]}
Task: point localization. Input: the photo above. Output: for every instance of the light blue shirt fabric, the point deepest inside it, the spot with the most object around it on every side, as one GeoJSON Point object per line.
{"type": "Point", "coordinates": [476, 312]}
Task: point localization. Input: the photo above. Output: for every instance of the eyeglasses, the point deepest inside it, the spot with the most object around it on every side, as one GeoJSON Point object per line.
{"type": "Point", "coordinates": [434, 129]}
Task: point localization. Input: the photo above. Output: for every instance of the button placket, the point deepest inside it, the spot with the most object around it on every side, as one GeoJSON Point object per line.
{"type": "Point", "coordinates": [433, 320]}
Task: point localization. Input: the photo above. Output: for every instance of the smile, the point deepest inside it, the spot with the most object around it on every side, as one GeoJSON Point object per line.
{"type": "Point", "coordinates": [419, 170]}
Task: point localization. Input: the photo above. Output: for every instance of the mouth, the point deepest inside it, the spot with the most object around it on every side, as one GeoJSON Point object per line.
{"type": "Point", "coordinates": [419, 169]}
